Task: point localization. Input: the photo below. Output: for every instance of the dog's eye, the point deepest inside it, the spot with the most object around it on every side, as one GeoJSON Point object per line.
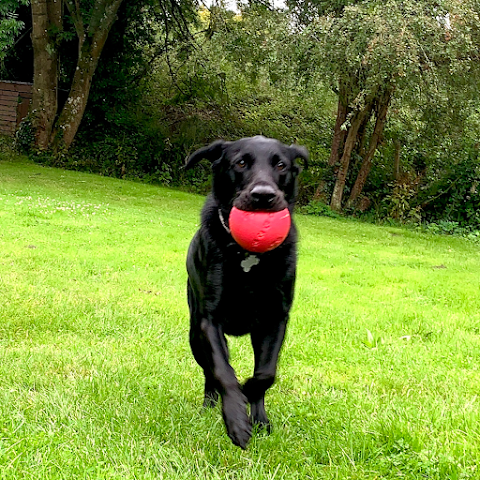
{"type": "Point", "coordinates": [281, 166]}
{"type": "Point", "coordinates": [242, 163]}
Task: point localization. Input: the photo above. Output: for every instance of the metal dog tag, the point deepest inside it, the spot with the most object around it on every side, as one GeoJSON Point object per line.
{"type": "Point", "coordinates": [249, 262]}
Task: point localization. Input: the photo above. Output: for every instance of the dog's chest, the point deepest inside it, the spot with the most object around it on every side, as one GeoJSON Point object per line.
{"type": "Point", "coordinates": [243, 270]}
{"type": "Point", "coordinates": [252, 289]}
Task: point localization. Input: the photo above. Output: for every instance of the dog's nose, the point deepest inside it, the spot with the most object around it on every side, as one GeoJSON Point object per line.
{"type": "Point", "coordinates": [263, 193]}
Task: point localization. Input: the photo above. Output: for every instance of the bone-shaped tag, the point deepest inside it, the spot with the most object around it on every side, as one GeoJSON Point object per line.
{"type": "Point", "coordinates": [249, 262]}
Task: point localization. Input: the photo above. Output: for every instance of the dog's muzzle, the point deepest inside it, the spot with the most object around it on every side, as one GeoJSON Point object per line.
{"type": "Point", "coordinates": [261, 196]}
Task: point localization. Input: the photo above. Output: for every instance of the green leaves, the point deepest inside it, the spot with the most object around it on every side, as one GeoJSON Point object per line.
{"type": "Point", "coordinates": [10, 26]}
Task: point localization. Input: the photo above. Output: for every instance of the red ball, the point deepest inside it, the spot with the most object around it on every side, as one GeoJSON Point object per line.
{"type": "Point", "coordinates": [259, 232]}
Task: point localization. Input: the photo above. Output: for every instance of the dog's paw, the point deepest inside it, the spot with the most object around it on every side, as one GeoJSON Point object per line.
{"type": "Point", "coordinates": [210, 399]}
{"type": "Point", "coordinates": [240, 432]}
{"type": "Point", "coordinates": [239, 428]}
{"type": "Point", "coordinates": [259, 417]}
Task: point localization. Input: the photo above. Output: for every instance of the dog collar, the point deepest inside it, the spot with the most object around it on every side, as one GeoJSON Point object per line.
{"type": "Point", "coordinates": [222, 221]}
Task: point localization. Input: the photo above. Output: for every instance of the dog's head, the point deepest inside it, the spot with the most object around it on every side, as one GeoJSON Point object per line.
{"type": "Point", "coordinates": [255, 173]}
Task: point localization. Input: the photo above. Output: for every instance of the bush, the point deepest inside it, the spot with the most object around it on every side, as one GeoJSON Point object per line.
{"type": "Point", "coordinates": [25, 136]}
{"type": "Point", "coordinates": [453, 193]}
{"type": "Point", "coordinates": [318, 208]}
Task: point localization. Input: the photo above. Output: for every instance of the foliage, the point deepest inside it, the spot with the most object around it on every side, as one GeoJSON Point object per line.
{"type": "Point", "coordinates": [318, 208]}
{"type": "Point", "coordinates": [75, 39]}
{"type": "Point", "coordinates": [374, 51]}
{"type": "Point", "coordinates": [17, 62]}
{"type": "Point", "coordinates": [198, 92]}
{"type": "Point", "coordinates": [453, 194]}
{"type": "Point", "coordinates": [7, 146]}
{"type": "Point", "coordinates": [117, 82]}
{"type": "Point", "coordinates": [207, 90]}
{"type": "Point", "coordinates": [400, 203]}
{"type": "Point", "coordinates": [10, 25]}
{"type": "Point", "coordinates": [172, 79]}
{"type": "Point", "coordinates": [141, 34]}
{"type": "Point", "coordinates": [124, 154]}
{"type": "Point", "coordinates": [25, 136]}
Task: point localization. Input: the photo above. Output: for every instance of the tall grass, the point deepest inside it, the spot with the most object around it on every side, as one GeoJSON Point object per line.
{"type": "Point", "coordinates": [379, 376]}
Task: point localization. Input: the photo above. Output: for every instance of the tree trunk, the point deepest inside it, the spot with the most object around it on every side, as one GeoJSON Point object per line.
{"type": "Point", "coordinates": [74, 108]}
{"type": "Point", "coordinates": [90, 48]}
{"type": "Point", "coordinates": [397, 169]}
{"type": "Point", "coordinates": [350, 142]}
{"type": "Point", "coordinates": [339, 133]}
{"type": "Point", "coordinates": [338, 140]}
{"type": "Point", "coordinates": [382, 110]}
{"type": "Point", "coordinates": [362, 136]}
{"type": "Point", "coordinates": [46, 23]}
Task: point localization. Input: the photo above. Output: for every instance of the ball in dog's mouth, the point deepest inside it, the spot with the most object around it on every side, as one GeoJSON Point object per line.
{"type": "Point", "coordinates": [259, 231]}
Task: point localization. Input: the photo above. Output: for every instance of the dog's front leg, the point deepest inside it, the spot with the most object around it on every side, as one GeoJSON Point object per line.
{"type": "Point", "coordinates": [266, 347]}
{"type": "Point", "coordinates": [234, 402]}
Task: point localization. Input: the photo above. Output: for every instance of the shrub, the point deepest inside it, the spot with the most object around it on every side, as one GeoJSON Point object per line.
{"type": "Point", "coordinates": [318, 208]}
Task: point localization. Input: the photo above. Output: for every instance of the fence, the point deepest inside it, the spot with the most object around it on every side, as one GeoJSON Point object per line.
{"type": "Point", "coordinates": [15, 99]}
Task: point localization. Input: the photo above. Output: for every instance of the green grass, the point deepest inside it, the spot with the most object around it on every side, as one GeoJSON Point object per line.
{"type": "Point", "coordinates": [379, 376]}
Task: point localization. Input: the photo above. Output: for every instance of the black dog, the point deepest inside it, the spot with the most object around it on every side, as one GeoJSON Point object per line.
{"type": "Point", "coordinates": [231, 291]}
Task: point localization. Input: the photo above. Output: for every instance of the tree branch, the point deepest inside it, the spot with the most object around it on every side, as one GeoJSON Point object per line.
{"type": "Point", "coordinates": [76, 14]}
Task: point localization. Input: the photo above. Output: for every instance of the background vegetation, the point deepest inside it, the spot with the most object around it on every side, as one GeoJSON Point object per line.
{"type": "Point", "coordinates": [383, 94]}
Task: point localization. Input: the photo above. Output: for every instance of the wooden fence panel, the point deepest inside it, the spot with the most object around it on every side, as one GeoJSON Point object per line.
{"type": "Point", "coordinates": [15, 99]}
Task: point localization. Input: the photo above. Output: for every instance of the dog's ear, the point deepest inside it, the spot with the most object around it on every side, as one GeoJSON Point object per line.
{"type": "Point", "coordinates": [211, 152]}
{"type": "Point", "coordinates": [298, 151]}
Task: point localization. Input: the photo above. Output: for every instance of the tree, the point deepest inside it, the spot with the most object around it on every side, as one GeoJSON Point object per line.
{"type": "Point", "coordinates": [56, 123]}
{"type": "Point", "coordinates": [92, 27]}
{"type": "Point", "coordinates": [370, 51]}
{"type": "Point", "coordinates": [46, 27]}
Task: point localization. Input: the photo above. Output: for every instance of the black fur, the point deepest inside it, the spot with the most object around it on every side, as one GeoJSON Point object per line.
{"type": "Point", "coordinates": [254, 173]}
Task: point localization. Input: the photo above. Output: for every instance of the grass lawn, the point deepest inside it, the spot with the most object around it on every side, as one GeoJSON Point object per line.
{"type": "Point", "coordinates": [379, 375]}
